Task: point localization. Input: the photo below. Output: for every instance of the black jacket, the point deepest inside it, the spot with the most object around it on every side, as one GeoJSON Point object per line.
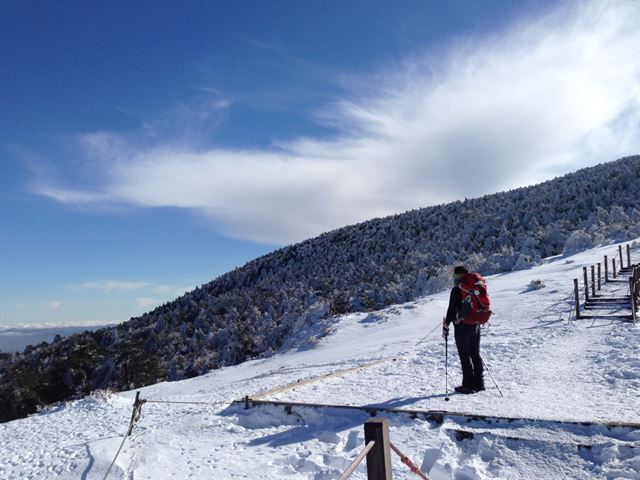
{"type": "Point", "coordinates": [455, 303]}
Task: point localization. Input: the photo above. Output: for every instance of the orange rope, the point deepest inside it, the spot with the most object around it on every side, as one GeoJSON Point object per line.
{"type": "Point", "coordinates": [407, 461]}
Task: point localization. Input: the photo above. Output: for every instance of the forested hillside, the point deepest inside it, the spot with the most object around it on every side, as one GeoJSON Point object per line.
{"type": "Point", "coordinates": [262, 306]}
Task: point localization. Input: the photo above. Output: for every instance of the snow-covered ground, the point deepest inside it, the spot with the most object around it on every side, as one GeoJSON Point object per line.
{"type": "Point", "coordinates": [547, 367]}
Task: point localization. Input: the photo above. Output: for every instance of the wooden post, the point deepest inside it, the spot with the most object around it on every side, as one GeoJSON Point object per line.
{"type": "Point", "coordinates": [593, 281]}
{"type": "Point", "coordinates": [636, 293]}
{"type": "Point", "coordinates": [136, 408]}
{"type": "Point", "coordinates": [379, 458]}
{"type": "Point", "coordinates": [586, 284]}
{"type": "Point", "coordinates": [632, 288]}
{"type": "Point", "coordinates": [634, 285]}
{"type": "Point", "coordinates": [599, 277]}
{"type": "Point", "coordinates": [576, 291]}
{"type": "Point", "coordinates": [620, 252]}
{"type": "Point", "coordinates": [628, 255]}
{"type": "Point", "coordinates": [613, 261]}
{"type": "Point", "coordinates": [606, 269]}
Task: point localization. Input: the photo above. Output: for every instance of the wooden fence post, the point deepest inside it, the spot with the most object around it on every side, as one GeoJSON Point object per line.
{"type": "Point", "coordinates": [636, 293]}
{"type": "Point", "coordinates": [606, 269]}
{"type": "Point", "coordinates": [379, 457]}
{"type": "Point", "coordinates": [628, 255]}
{"type": "Point", "coordinates": [620, 252]}
{"type": "Point", "coordinates": [586, 284]}
{"type": "Point", "coordinates": [599, 277]}
{"type": "Point", "coordinates": [576, 291]}
{"type": "Point", "coordinates": [632, 292]}
{"type": "Point", "coordinates": [135, 414]}
{"type": "Point", "coordinates": [593, 281]}
{"type": "Point", "coordinates": [613, 261]}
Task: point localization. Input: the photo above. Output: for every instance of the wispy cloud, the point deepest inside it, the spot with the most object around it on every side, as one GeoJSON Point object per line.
{"type": "Point", "coordinates": [110, 286]}
{"type": "Point", "coordinates": [126, 286]}
{"type": "Point", "coordinates": [54, 305]}
{"type": "Point", "coordinates": [170, 290]}
{"type": "Point", "coordinates": [144, 302]}
{"type": "Point", "coordinates": [543, 97]}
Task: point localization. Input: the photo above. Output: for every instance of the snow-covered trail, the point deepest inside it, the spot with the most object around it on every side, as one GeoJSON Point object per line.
{"type": "Point", "coordinates": [547, 368]}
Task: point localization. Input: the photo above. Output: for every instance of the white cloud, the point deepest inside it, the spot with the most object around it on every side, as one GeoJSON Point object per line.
{"type": "Point", "coordinates": [144, 302]}
{"type": "Point", "coordinates": [544, 97]}
{"type": "Point", "coordinates": [166, 292]}
{"type": "Point", "coordinates": [110, 286]}
{"type": "Point", "coordinates": [170, 290]}
{"type": "Point", "coordinates": [162, 289]}
{"type": "Point", "coordinates": [54, 305]}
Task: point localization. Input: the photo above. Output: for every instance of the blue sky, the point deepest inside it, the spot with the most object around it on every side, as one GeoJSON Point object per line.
{"type": "Point", "coordinates": [148, 147]}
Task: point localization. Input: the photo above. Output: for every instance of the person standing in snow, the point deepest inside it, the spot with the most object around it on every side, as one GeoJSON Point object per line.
{"type": "Point", "coordinates": [467, 339]}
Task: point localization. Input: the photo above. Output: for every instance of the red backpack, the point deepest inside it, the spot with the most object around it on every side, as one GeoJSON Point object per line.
{"type": "Point", "coordinates": [476, 306]}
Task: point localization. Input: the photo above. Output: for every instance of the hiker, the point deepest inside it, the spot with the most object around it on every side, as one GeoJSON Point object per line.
{"type": "Point", "coordinates": [467, 338]}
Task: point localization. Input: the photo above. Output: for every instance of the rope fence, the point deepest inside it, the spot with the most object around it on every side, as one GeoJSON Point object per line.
{"type": "Point", "coordinates": [428, 334]}
{"type": "Point", "coordinates": [137, 413]}
{"type": "Point", "coordinates": [135, 416]}
{"type": "Point", "coordinates": [357, 461]}
{"type": "Point", "coordinates": [188, 403]}
{"type": "Point", "coordinates": [407, 461]}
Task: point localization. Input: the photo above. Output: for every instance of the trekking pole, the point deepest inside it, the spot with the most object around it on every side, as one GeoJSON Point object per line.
{"type": "Point", "coordinates": [446, 366]}
{"type": "Point", "coordinates": [493, 379]}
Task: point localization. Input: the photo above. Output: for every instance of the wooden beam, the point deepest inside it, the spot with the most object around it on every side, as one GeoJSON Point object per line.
{"type": "Point", "coordinates": [379, 457]}
{"type": "Point", "coordinates": [437, 416]}
{"type": "Point", "coordinates": [576, 291]}
{"type": "Point", "coordinates": [299, 383]}
{"type": "Point", "coordinates": [586, 284]}
{"type": "Point", "coordinates": [620, 252]}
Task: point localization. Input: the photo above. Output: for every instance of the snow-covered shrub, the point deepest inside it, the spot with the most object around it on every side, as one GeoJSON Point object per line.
{"type": "Point", "coordinates": [103, 395]}
{"type": "Point", "coordinates": [577, 241]}
{"type": "Point", "coordinates": [618, 215]}
{"type": "Point", "coordinates": [499, 262]}
{"type": "Point", "coordinates": [440, 281]}
{"type": "Point", "coordinates": [523, 262]}
{"type": "Point", "coordinates": [536, 285]}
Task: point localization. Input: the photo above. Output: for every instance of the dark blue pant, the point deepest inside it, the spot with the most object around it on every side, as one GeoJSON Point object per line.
{"type": "Point", "coordinates": [468, 344]}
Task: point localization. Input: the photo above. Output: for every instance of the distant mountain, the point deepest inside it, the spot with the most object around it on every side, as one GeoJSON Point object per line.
{"type": "Point", "coordinates": [271, 302]}
{"type": "Point", "coordinates": [15, 339]}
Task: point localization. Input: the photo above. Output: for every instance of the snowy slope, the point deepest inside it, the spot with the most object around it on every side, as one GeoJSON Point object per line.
{"type": "Point", "coordinates": [548, 369]}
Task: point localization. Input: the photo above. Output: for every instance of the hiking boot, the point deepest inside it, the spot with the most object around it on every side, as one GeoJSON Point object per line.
{"type": "Point", "coordinates": [464, 390]}
{"type": "Point", "coordinates": [478, 384]}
